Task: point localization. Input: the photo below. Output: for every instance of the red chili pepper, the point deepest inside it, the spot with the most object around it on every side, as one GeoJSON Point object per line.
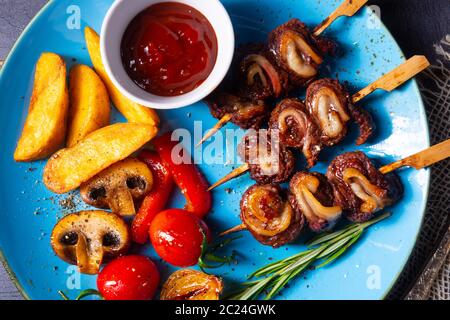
{"type": "Point", "coordinates": [189, 179]}
{"type": "Point", "coordinates": [156, 200]}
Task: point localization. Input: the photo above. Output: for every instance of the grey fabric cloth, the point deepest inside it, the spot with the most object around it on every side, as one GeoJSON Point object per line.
{"type": "Point", "coordinates": [435, 88]}
{"type": "Point", "coordinates": [441, 287]}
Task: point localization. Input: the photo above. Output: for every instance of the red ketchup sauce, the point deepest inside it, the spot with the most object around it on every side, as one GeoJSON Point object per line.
{"type": "Point", "coordinates": [169, 49]}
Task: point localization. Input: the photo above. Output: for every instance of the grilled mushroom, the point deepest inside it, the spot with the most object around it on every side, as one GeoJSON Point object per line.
{"type": "Point", "coordinates": [269, 217]}
{"type": "Point", "coordinates": [87, 238]}
{"type": "Point", "coordinates": [312, 195]}
{"type": "Point", "coordinates": [119, 186]}
{"type": "Point", "coordinates": [191, 285]}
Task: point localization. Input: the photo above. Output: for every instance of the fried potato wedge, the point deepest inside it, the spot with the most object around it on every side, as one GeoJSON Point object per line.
{"type": "Point", "coordinates": [132, 111]}
{"type": "Point", "coordinates": [67, 169]}
{"type": "Point", "coordinates": [45, 127]}
{"type": "Point", "coordinates": [89, 104]}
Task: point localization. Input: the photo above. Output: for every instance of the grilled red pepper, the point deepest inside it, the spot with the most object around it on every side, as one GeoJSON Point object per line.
{"type": "Point", "coordinates": [156, 200]}
{"type": "Point", "coordinates": [189, 179]}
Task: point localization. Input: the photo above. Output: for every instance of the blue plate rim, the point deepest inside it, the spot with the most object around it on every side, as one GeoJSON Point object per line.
{"type": "Point", "coordinates": [38, 15]}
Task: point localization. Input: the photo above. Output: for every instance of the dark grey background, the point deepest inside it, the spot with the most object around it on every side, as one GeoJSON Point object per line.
{"type": "Point", "coordinates": [416, 24]}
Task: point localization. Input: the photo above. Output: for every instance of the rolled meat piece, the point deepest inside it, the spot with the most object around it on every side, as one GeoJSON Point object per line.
{"type": "Point", "coordinates": [245, 113]}
{"type": "Point", "coordinates": [297, 129]}
{"type": "Point", "coordinates": [269, 216]}
{"type": "Point", "coordinates": [312, 196]}
{"type": "Point", "coordinates": [259, 77]}
{"type": "Point", "coordinates": [297, 52]}
{"type": "Point", "coordinates": [269, 161]}
{"type": "Point", "coordinates": [329, 103]}
{"type": "Point", "coordinates": [359, 188]}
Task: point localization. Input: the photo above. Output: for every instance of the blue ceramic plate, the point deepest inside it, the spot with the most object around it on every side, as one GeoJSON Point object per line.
{"type": "Point", "coordinates": [29, 211]}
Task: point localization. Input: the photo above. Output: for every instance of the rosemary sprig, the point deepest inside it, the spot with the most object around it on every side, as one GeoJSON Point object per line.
{"type": "Point", "coordinates": [321, 251]}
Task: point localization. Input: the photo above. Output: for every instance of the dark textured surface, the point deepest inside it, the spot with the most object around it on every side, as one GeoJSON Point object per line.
{"type": "Point", "coordinates": [423, 285]}
{"type": "Point", "coordinates": [416, 24]}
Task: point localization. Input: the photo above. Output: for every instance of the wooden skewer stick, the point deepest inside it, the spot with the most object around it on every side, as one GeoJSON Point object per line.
{"type": "Point", "coordinates": [216, 128]}
{"type": "Point", "coordinates": [418, 161]}
{"type": "Point", "coordinates": [347, 8]}
{"type": "Point", "coordinates": [235, 229]}
{"type": "Point", "coordinates": [233, 174]}
{"type": "Point", "coordinates": [422, 159]}
{"type": "Point", "coordinates": [388, 82]}
{"type": "Point", "coordinates": [395, 78]}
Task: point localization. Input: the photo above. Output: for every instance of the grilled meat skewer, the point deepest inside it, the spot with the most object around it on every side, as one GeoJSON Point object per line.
{"type": "Point", "coordinates": [359, 191]}
{"type": "Point", "coordinates": [296, 128]}
{"type": "Point", "coordinates": [312, 196]}
{"type": "Point", "coordinates": [298, 52]}
{"type": "Point", "coordinates": [291, 59]}
{"type": "Point", "coordinates": [269, 217]}
{"type": "Point", "coordinates": [324, 122]}
{"type": "Point", "coordinates": [268, 161]}
{"type": "Point", "coordinates": [360, 188]}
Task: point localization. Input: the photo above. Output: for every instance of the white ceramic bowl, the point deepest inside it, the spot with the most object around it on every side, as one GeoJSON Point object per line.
{"type": "Point", "coordinates": [117, 20]}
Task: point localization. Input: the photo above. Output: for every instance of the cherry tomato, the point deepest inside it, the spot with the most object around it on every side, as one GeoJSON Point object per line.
{"type": "Point", "coordinates": [129, 278]}
{"type": "Point", "coordinates": [177, 236]}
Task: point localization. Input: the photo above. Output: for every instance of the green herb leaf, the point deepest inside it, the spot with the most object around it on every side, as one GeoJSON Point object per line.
{"type": "Point", "coordinates": [341, 251]}
{"type": "Point", "coordinates": [322, 251]}
{"type": "Point", "coordinates": [87, 293]}
{"type": "Point", "coordinates": [207, 254]}
{"type": "Point", "coordinates": [256, 289]}
{"type": "Point", "coordinates": [83, 294]}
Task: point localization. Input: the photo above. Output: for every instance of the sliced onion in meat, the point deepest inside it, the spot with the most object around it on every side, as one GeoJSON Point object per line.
{"type": "Point", "coordinates": [274, 226]}
{"type": "Point", "coordinates": [296, 52]}
{"type": "Point", "coordinates": [298, 116]}
{"type": "Point", "coordinates": [258, 62]}
{"type": "Point", "coordinates": [265, 218]}
{"type": "Point", "coordinates": [311, 207]}
{"type": "Point", "coordinates": [327, 213]}
{"type": "Point", "coordinates": [253, 71]}
{"type": "Point", "coordinates": [305, 131]}
{"type": "Point", "coordinates": [330, 112]}
{"type": "Point", "coordinates": [371, 195]}
{"type": "Point", "coordinates": [254, 203]}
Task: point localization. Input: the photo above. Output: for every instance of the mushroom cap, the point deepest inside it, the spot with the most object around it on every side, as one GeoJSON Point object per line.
{"type": "Point", "coordinates": [119, 186]}
{"type": "Point", "coordinates": [86, 238]}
